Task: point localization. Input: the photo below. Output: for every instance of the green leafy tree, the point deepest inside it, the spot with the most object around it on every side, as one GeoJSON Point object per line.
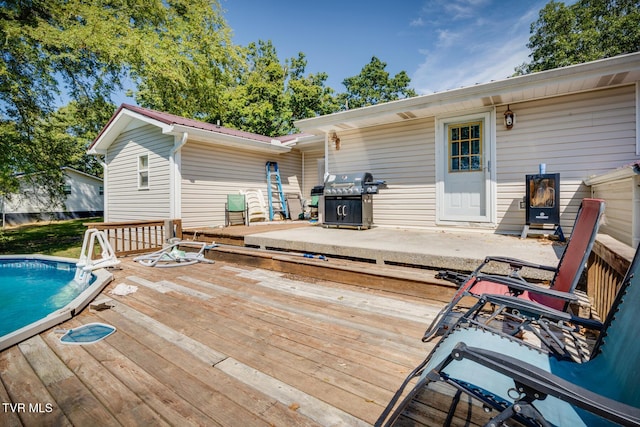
{"type": "Point", "coordinates": [584, 31]}
{"type": "Point", "coordinates": [184, 64]}
{"type": "Point", "coordinates": [268, 95]}
{"type": "Point", "coordinates": [256, 103]}
{"type": "Point", "coordinates": [72, 50]}
{"type": "Point", "coordinates": [79, 52]}
{"type": "Point", "coordinates": [374, 85]}
{"type": "Point", "coordinates": [308, 96]}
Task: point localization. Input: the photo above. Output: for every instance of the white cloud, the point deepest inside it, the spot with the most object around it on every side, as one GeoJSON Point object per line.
{"type": "Point", "coordinates": [418, 22]}
{"type": "Point", "coordinates": [458, 9]}
{"type": "Point", "coordinates": [475, 41]}
{"type": "Point", "coordinates": [447, 38]}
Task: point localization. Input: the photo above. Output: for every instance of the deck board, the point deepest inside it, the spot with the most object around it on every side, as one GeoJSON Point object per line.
{"type": "Point", "coordinates": [223, 345]}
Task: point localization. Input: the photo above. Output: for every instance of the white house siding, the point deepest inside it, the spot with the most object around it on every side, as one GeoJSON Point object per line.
{"type": "Point", "coordinates": [403, 155]}
{"type": "Point", "coordinates": [577, 136]}
{"type": "Point", "coordinates": [125, 201]}
{"type": "Point", "coordinates": [622, 201]}
{"type": "Point", "coordinates": [33, 204]}
{"type": "Point", "coordinates": [85, 193]}
{"type": "Point", "coordinates": [210, 173]}
{"type": "Point", "coordinates": [311, 178]}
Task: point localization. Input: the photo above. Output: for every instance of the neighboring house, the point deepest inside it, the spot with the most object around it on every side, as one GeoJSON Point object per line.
{"type": "Point", "coordinates": [580, 121]}
{"type": "Point", "coordinates": [160, 166]}
{"type": "Point", "coordinates": [83, 199]}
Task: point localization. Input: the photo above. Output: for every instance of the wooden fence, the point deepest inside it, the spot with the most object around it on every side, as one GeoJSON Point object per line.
{"type": "Point", "coordinates": [606, 268]}
{"type": "Point", "coordinates": [135, 237]}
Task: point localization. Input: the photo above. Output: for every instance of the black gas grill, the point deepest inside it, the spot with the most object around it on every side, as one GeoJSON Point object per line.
{"type": "Point", "coordinates": [348, 199]}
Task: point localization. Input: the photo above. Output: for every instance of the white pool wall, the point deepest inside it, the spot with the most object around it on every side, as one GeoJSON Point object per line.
{"type": "Point", "coordinates": [103, 277]}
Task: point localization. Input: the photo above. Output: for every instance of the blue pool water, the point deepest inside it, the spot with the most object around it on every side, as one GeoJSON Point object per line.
{"type": "Point", "coordinates": [30, 289]}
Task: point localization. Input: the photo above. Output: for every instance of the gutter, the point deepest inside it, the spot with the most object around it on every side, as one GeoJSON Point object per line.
{"type": "Point", "coordinates": [228, 140]}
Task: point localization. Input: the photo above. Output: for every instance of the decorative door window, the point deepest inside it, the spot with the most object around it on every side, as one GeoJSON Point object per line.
{"type": "Point", "coordinates": [465, 147]}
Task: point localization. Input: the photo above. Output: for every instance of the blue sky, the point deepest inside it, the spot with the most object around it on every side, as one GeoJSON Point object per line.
{"type": "Point", "coordinates": [441, 44]}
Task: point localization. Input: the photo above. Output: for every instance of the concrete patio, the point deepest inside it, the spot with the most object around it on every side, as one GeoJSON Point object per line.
{"type": "Point", "coordinates": [434, 249]}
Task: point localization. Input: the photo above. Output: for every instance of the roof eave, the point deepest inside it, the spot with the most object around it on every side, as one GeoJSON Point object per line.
{"type": "Point", "coordinates": [489, 93]}
{"type": "Point", "coordinates": [229, 140]}
{"type": "Point", "coordinates": [119, 121]}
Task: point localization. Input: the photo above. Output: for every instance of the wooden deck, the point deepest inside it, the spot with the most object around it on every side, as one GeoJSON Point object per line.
{"type": "Point", "coordinates": [220, 344]}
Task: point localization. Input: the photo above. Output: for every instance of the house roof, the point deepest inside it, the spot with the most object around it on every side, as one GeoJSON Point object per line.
{"type": "Point", "coordinates": [69, 169]}
{"type": "Point", "coordinates": [610, 72]}
{"type": "Point", "coordinates": [65, 169]}
{"type": "Point", "coordinates": [131, 116]}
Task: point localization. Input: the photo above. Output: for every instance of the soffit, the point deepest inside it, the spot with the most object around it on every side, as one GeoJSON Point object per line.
{"type": "Point", "coordinates": [617, 71]}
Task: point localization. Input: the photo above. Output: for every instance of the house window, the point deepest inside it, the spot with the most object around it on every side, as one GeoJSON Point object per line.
{"type": "Point", "coordinates": [143, 172]}
{"type": "Point", "coordinates": [101, 190]}
{"type": "Point", "coordinates": [66, 189]}
{"type": "Point", "coordinates": [465, 147]}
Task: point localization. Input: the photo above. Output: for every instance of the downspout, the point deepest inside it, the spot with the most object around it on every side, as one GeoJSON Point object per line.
{"type": "Point", "coordinates": [105, 193]}
{"type": "Point", "coordinates": [183, 140]}
{"type": "Point", "coordinates": [176, 177]}
{"type": "Point", "coordinates": [326, 155]}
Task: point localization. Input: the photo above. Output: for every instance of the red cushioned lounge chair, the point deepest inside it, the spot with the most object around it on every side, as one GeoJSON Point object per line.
{"type": "Point", "coordinates": [566, 274]}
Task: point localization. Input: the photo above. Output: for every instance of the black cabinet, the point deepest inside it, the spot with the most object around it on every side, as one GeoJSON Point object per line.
{"type": "Point", "coordinates": [352, 211]}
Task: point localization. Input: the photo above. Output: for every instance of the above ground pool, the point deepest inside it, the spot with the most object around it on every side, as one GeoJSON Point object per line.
{"type": "Point", "coordinates": [38, 292]}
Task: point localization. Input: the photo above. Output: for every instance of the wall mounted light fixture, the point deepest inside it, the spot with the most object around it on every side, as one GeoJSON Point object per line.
{"type": "Point", "coordinates": [509, 118]}
{"type": "Point", "coordinates": [333, 137]}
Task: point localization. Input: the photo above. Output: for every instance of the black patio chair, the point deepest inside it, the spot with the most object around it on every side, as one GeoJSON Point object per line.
{"type": "Point", "coordinates": [533, 387]}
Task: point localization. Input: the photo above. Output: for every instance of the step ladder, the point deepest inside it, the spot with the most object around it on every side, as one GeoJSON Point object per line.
{"type": "Point", "coordinates": [274, 185]}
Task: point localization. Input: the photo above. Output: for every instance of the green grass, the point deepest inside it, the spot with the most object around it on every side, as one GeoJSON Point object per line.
{"type": "Point", "coordinates": [58, 238]}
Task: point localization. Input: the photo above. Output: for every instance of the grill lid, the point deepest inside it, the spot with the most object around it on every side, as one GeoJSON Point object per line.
{"type": "Point", "coordinates": [341, 179]}
{"type": "Point", "coordinates": [350, 184]}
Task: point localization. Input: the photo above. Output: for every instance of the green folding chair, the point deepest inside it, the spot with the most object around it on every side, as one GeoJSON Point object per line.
{"type": "Point", "coordinates": [236, 210]}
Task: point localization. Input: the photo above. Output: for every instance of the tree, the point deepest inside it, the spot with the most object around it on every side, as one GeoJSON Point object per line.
{"type": "Point", "coordinates": [308, 96]}
{"type": "Point", "coordinates": [373, 86]}
{"type": "Point", "coordinates": [268, 96]}
{"type": "Point", "coordinates": [584, 31]}
{"type": "Point", "coordinates": [79, 52]}
{"type": "Point", "coordinates": [53, 50]}
{"type": "Point", "coordinates": [256, 102]}
{"type": "Point", "coordinates": [185, 64]}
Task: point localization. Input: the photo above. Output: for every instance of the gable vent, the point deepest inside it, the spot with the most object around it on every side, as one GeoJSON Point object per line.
{"type": "Point", "coordinates": [612, 79]}
{"type": "Point", "coordinates": [619, 78]}
{"type": "Point", "coordinates": [407, 115]}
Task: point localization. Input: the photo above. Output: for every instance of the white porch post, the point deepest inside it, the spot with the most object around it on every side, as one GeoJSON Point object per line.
{"type": "Point", "coordinates": [175, 176]}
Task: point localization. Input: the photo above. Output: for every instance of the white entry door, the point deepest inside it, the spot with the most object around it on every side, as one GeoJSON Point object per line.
{"type": "Point", "coordinates": [465, 161]}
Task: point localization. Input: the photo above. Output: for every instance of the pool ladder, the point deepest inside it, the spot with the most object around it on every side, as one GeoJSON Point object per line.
{"type": "Point", "coordinates": [86, 264]}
